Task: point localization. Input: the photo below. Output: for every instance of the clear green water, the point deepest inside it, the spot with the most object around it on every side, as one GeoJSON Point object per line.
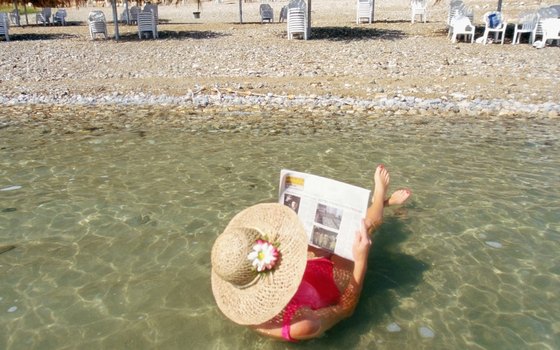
{"type": "Point", "coordinates": [113, 233]}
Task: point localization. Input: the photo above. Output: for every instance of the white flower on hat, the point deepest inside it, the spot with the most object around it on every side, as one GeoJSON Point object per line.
{"type": "Point", "coordinates": [263, 256]}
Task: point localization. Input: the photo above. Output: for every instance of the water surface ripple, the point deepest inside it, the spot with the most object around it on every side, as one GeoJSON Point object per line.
{"type": "Point", "coordinates": [113, 233]}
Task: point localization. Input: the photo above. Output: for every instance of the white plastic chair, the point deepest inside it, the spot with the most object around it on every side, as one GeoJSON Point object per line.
{"type": "Point", "coordinates": [542, 14]}
{"type": "Point", "coordinates": [364, 11]}
{"type": "Point", "coordinates": [551, 30]}
{"type": "Point", "coordinates": [419, 8]}
{"type": "Point", "coordinates": [526, 25]}
{"type": "Point", "coordinates": [494, 23]}
{"type": "Point", "coordinates": [132, 16]}
{"type": "Point", "coordinates": [283, 14]}
{"type": "Point", "coordinates": [44, 16]}
{"type": "Point", "coordinates": [60, 17]}
{"type": "Point", "coordinates": [14, 17]}
{"type": "Point", "coordinates": [458, 9]}
{"type": "Point", "coordinates": [266, 12]}
{"type": "Point", "coordinates": [4, 26]}
{"type": "Point", "coordinates": [555, 8]}
{"type": "Point", "coordinates": [461, 25]}
{"type": "Point", "coordinates": [147, 24]}
{"type": "Point", "coordinates": [127, 15]}
{"type": "Point", "coordinates": [97, 24]}
{"type": "Point", "coordinates": [149, 7]}
{"type": "Point", "coordinates": [297, 22]}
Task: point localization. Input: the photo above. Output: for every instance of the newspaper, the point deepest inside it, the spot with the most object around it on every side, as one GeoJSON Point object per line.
{"type": "Point", "coordinates": [331, 211]}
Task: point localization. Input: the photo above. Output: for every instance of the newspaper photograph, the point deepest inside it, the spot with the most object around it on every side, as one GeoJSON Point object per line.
{"type": "Point", "coordinates": [331, 211]}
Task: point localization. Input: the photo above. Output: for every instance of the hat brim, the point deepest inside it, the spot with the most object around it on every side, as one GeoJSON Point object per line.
{"type": "Point", "coordinates": [272, 292]}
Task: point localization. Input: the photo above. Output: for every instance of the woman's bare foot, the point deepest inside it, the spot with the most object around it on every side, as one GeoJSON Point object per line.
{"type": "Point", "coordinates": [398, 197]}
{"type": "Point", "coordinates": [382, 179]}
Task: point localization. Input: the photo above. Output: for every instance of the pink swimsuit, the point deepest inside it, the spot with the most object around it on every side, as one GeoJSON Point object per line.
{"type": "Point", "coordinates": [317, 290]}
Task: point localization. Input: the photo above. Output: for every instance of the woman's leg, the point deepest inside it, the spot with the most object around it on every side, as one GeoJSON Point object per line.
{"type": "Point", "coordinates": [374, 214]}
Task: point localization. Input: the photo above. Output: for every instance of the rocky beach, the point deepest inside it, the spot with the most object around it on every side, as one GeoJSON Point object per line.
{"type": "Point", "coordinates": [213, 73]}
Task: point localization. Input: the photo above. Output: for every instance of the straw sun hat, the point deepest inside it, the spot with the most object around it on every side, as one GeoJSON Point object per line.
{"type": "Point", "coordinates": [243, 294]}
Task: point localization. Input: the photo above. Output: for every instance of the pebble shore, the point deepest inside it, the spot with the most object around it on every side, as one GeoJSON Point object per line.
{"type": "Point", "coordinates": [50, 76]}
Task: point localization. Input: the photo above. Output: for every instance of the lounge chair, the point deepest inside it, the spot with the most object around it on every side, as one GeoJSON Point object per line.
{"type": "Point", "coordinates": [542, 14]}
{"type": "Point", "coordinates": [147, 24]}
{"type": "Point", "coordinates": [494, 23]}
{"type": "Point", "coordinates": [283, 14]}
{"type": "Point", "coordinates": [132, 16]}
{"type": "Point", "coordinates": [4, 26]}
{"type": "Point", "coordinates": [44, 16]}
{"type": "Point", "coordinates": [297, 19]}
{"type": "Point", "coordinates": [266, 12]}
{"type": "Point", "coordinates": [364, 11]}
{"type": "Point", "coordinates": [297, 23]}
{"type": "Point", "coordinates": [551, 30]}
{"type": "Point", "coordinates": [461, 25]}
{"type": "Point", "coordinates": [525, 25]}
{"type": "Point", "coordinates": [458, 9]}
{"type": "Point", "coordinates": [557, 8]}
{"type": "Point", "coordinates": [14, 17]}
{"type": "Point", "coordinates": [97, 24]}
{"type": "Point", "coordinates": [419, 8]}
{"type": "Point", "coordinates": [60, 17]}
{"type": "Point", "coordinates": [149, 7]}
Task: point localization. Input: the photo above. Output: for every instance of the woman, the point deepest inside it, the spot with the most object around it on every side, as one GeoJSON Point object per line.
{"type": "Point", "coordinates": [262, 277]}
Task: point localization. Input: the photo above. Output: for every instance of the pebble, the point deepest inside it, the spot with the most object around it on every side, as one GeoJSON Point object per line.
{"type": "Point", "coordinates": [426, 332]}
{"type": "Point", "coordinates": [10, 188]}
{"type": "Point", "coordinates": [393, 327]}
{"type": "Point", "coordinates": [12, 309]}
{"type": "Point", "coordinates": [494, 244]}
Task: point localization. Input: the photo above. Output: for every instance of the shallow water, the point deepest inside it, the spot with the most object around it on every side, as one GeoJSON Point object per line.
{"type": "Point", "coordinates": [113, 232]}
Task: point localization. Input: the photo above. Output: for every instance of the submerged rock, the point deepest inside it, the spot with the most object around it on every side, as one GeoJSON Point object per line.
{"type": "Point", "coordinates": [494, 244]}
{"type": "Point", "coordinates": [426, 332]}
{"type": "Point", "coordinates": [393, 327]}
{"type": "Point", "coordinates": [10, 188]}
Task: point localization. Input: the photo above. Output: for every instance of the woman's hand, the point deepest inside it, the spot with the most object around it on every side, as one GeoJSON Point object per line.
{"type": "Point", "coordinates": [362, 244]}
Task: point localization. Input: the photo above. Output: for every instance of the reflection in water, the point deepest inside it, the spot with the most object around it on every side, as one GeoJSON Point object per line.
{"type": "Point", "coordinates": [113, 232]}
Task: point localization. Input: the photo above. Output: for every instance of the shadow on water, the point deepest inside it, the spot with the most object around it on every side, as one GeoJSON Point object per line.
{"type": "Point", "coordinates": [391, 276]}
{"type": "Point", "coordinates": [354, 33]}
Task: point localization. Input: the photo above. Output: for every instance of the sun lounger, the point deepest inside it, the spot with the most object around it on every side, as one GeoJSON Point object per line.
{"type": "Point", "coordinates": [97, 24]}
{"type": "Point", "coordinates": [364, 11]}
{"type": "Point", "coordinates": [419, 8]}
{"type": "Point", "coordinates": [4, 26]}
{"type": "Point", "coordinates": [147, 24]}
{"type": "Point", "coordinates": [494, 23]}
{"type": "Point", "coordinates": [266, 12]}
{"type": "Point", "coordinates": [461, 25]}
{"type": "Point", "coordinates": [525, 25]}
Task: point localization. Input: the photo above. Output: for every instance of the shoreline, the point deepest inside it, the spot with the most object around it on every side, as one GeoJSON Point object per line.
{"type": "Point", "coordinates": [456, 103]}
{"type": "Point", "coordinates": [63, 119]}
{"type": "Point", "coordinates": [389, 67]}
